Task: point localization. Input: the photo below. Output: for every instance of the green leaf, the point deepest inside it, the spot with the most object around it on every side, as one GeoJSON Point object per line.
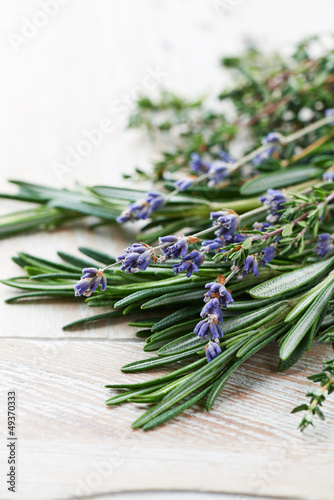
{"type": "Point", "coordinates": [252, 319]}
{"type": "Point", "coordinates": [153, 292]}
{"type": "Point", "coordinates": [182, 344]}
{"type": "Point", "coordinates": [164, 378]}
{"type": "Point", "coordinates": [76, 261]}
{"type": "Point", "coordinates": [194, 382]}
{"type": "Point", "coordinates": [175, 328]}
{"type": "Point", "coordinates": [124, 397]}
{"type": "Point", "coordinates": [299, 330]}
{"type": "Point", "coordinates": [279, 179]}
{"type": "Point", "coordinates": [148, 364]}
{"type": "Point", "coordinates": [42, 295]}
{"type": "Point", "coordinates": [173, 298]}
{"type": "Point", "coordinates": [175, 318]}
{"type": "Point", "coordinates": [303, 407]}
{"type": "Point", "coordinates": [290, 281]}
{"type": "Point", "coordinates": [160, 419]}
{"type": "Point", "coordinates": [247, 244]}
{"type": "Point", "coordinates": [306, 300]}
{"type": "Point", "coordinates": [221, 381]}
{"type": "Point", "coordinates": [104, 258]}
{"type": "Point", "coordinates": [92, 319]}
{"type": "Point", "coordinates": [296, 354]}
{"type": "Point", "coordinates": [288, 228]}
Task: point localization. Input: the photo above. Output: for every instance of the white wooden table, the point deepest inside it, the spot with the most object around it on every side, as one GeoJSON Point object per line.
{"type": "Point", "coordinates": [65, 80]}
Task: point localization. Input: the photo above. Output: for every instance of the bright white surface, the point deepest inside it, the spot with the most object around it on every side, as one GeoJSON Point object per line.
{"type": "Point", "coordinates": [63, 78]}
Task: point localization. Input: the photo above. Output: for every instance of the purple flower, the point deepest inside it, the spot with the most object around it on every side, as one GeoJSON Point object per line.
{"type": "Point", "coordinates": [212, 307]}
{"type": "Point", "coordinates": [212, 245]}
{"type": "Point", "coordinates": [170, 239]}
{"type": "Point", "coordinates": [273, 201]}
{"type": "Point", "coordinates": [135, 258]}
{"type": "Point", "coordinates": [219, 292]}
{"type": "Point", "coordinates": [226, 157]}
{"type": "Point", "coordinates": [142, 209]}
{"type": "Point", "coordinates": [239, 238]}
{"type": "Point", "coordinates": [155, 200]}
{"type": "Point", "coordinates": [272, 137]}
{"type": "Point", "coordinates": [218, 172]}
{"type": "Point", "coordinates": [330, 112]}
{"type": "Point", "coordinates": [264, 155]}
{"type": "Point", "coordinates": [228, 223]}
{"type": "Point", "coordinates": [324, 245]}
{"type": "Point", "coordinates": [250, 263]}
{"type": "Point", "coordinates": [267, 255]}
{"type": "Point", "coordinates": [177, 248]}
{"type": "Point", "coordinates": [89, 282]}
{"type": "Point", "coordinates": [328, 176]}
{"type": "Point", "coordinates": [189, 263]}
{"type": "Point", "coordinates": [209, 327]}
{"type": "Point", "coordinates": [184, 183]}
{"type": "Point", "coordinates": [212, 350]}
{"type": "Point", "coordinates": [198, 165]}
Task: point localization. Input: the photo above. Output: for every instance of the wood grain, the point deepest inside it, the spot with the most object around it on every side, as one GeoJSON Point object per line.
{"type": "Point", "coordinates": [70, 443]}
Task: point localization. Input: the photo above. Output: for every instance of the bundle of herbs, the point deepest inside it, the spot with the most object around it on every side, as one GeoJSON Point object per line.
{"type": "Point", "coordinates": [236, 252]}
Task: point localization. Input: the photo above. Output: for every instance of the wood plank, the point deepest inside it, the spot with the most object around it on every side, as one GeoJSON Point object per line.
{"type": "Point", "coordinates": [70, 444]}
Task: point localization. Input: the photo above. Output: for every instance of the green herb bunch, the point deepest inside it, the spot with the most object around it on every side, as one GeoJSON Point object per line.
{"type": "Point", "coordinates": [266, 273]}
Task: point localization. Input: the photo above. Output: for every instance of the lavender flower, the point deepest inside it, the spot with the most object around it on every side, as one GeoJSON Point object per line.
{"type": "Point", "coordinates": [135, 258]}
{"type": "Point", "coordinates": [226, 157]}
{"type": "Point", "coordinates": [273, 201]}
{"type": "Point", "coordinates": [177, 248]}
{"type": "Point", "coordinates": [89, 282]}
{"type": "Point", "coordinates": [239, 238]}
{"type": "Point", "coordinates": [324, 245]}
{"type": "Point", "coordinates": [250, 263]}
{"type": "Point", "coordinates": [170, 239]}
{"type": "Point", "coordinates": [212, 350]}
{"type": "Point", "coordinates": [272, 137]}
{"type": "Point", "coordinates": [330, 112]}
{"type": "Point", "coordinates": [189, 263]}
{"type": "Point", "coordinates": [267, 254]}
{"type": "Point", "coordinates": [212, 307]}
{"type": "Point", "coordinates": [212, 245]}
{"type": "Point", "coordinates": [218, 172]}
{"type": "Point", "coordinates": [185, 183]}
{"type": "Point", "coordinates": [263, 155]}
{"type": "Point", "coordinates": [219, 242]}
{"type": "Point", "coordinates": [217, 291]}
{"type": "Point", "coordinates": [209, 327]}
{"type": "Point", "coordinates": [328, 176]}
{"type": "Point", "coordinates": [198, 165]}
{"type": "Point", "coordinates": [155, 200]}
{"type": "Point", "coordinates": [142, 209]}
{"type": "Point", "coordinates": [229, 224]}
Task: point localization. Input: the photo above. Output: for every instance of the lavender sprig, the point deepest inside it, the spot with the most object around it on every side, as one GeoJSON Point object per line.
{"type": "Point", "coordinates": [219, 170]}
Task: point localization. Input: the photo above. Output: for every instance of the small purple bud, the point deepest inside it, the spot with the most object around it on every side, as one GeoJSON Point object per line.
{"type": "Point", "coordinates": [324, 244]}
{"type": "Point", "coordinates": [328, 176]}
{"type": "Point", "coordinates": [330, 112]}
{"type": "Point", "coordinates": [267, 255]}
{"type": "Point", "coordinates": [89, 282]}
{"type": "Point", "coordinates": [212, 350]}
{"type": "Point", "coordinates": [184, 183]}
{"type": "Point", "coordinates": [198, 165]}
